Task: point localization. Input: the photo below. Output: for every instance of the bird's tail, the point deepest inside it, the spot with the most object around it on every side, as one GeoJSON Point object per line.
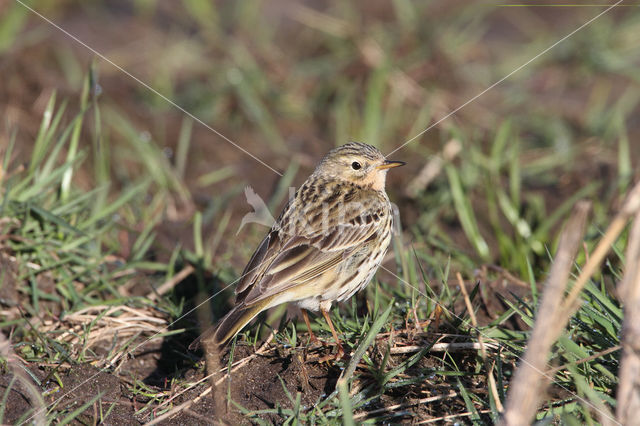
{"type": "Point", "coordinates": [231, 323]}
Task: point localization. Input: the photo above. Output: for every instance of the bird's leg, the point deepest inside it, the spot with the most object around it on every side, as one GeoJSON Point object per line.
{"type": "Point", "coordinates": [340, 352]}
{"type": "Point", "coordinates": [312, 337]}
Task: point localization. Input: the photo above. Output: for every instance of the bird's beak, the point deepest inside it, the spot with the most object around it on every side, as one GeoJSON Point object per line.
{"type": "Point", "coordinates": [390, 164]}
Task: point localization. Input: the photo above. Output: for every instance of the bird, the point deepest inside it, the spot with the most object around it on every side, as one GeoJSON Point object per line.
{"type": "Point", "coordinates": [325, 246]}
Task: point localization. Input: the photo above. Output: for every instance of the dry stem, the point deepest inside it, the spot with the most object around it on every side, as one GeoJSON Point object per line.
{"type": "Point", "coordinates": [527, 384]}
{"type": "Point", "coordinates": [629, 292]}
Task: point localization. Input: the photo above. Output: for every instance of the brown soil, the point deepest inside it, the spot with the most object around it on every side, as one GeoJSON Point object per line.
{"type": "Point", "coordinates": [19, 399]}
{"type": "Point", "coordinates": [267, 382]}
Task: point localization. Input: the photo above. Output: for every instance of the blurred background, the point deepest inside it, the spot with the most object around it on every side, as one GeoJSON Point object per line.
{"type": "Point", "coordinates": [287, 81]}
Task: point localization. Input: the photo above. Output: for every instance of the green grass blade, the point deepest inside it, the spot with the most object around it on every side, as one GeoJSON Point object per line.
{"type": "Point", "coordinates": [345, 403]}
{"type": "Point", "coordinates": [367, 341]}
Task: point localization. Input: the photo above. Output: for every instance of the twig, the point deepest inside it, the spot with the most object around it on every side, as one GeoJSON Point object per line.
{"type": "Point", "coordinates": [188, 388]}
{"type": "Point", "coordinates": [629, 290]}
{"type": "Point", "coordinates": [472, 314]}
{"type": "Point", "coordinates": [629, 208]}
{"type": "Point", "coordinates": [444, 347]}
{"type": "Point", "coordinates": [170, 283]}
{"type": "Point", "coordinates": [527, 384]}
{"type": "Point", "coordinates": [553, 371]}
{"type": "Point", "coordinates": [358, 416]}
{"type": "Point", "coordinates": [451, 416]}
{"type": "Point", "coordinates": [170, 413]}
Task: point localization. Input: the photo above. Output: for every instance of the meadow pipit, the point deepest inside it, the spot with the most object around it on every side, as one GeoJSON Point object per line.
{"type": "Point", "coordinates": [326, 244]}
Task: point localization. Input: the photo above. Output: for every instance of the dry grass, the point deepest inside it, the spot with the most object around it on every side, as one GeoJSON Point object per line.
{"type": "Point", "coordinates": [529, 382]}
{"type": "Point", "coordinates": [629, 290]}
{"type": "Point", "coordinates": [93, 329]}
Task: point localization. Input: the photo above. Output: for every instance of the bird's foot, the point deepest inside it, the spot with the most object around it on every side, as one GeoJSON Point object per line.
{"type": "Point", "coordinates": [339, 352]}
{"type": "Point", "coordinates": [313, 339]}
{"type": "Point", "coordinates": [333, 357]}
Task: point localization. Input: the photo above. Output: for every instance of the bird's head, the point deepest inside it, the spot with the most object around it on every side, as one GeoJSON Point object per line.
{"type": "Point", "coordinates": [358, 163]}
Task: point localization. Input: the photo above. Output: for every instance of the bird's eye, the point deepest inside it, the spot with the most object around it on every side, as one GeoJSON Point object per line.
{"type": "Point", "coordinates": [356, 166]}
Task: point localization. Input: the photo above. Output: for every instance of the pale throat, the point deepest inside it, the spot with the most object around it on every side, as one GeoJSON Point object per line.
{"type": "Point", "coordinates": [376, 180]}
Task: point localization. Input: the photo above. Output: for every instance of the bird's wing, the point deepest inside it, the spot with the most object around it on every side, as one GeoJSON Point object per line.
{"type": "Point", "coordinates": [258, 263]}
{"type": "Point", "coordinates": [284, 260]}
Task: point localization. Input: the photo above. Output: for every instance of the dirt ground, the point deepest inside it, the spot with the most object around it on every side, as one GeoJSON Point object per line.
{"type": "Point", "coordinates": [271, 378]}
{"type": "Point", "coordinates": [258, 385]}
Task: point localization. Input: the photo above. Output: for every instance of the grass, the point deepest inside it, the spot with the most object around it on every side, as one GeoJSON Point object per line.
{"type": "Point", "coordinates": [110, 193]}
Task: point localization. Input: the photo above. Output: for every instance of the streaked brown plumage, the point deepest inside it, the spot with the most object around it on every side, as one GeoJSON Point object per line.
{"type": "Point", "coordinates": [326, 245]}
